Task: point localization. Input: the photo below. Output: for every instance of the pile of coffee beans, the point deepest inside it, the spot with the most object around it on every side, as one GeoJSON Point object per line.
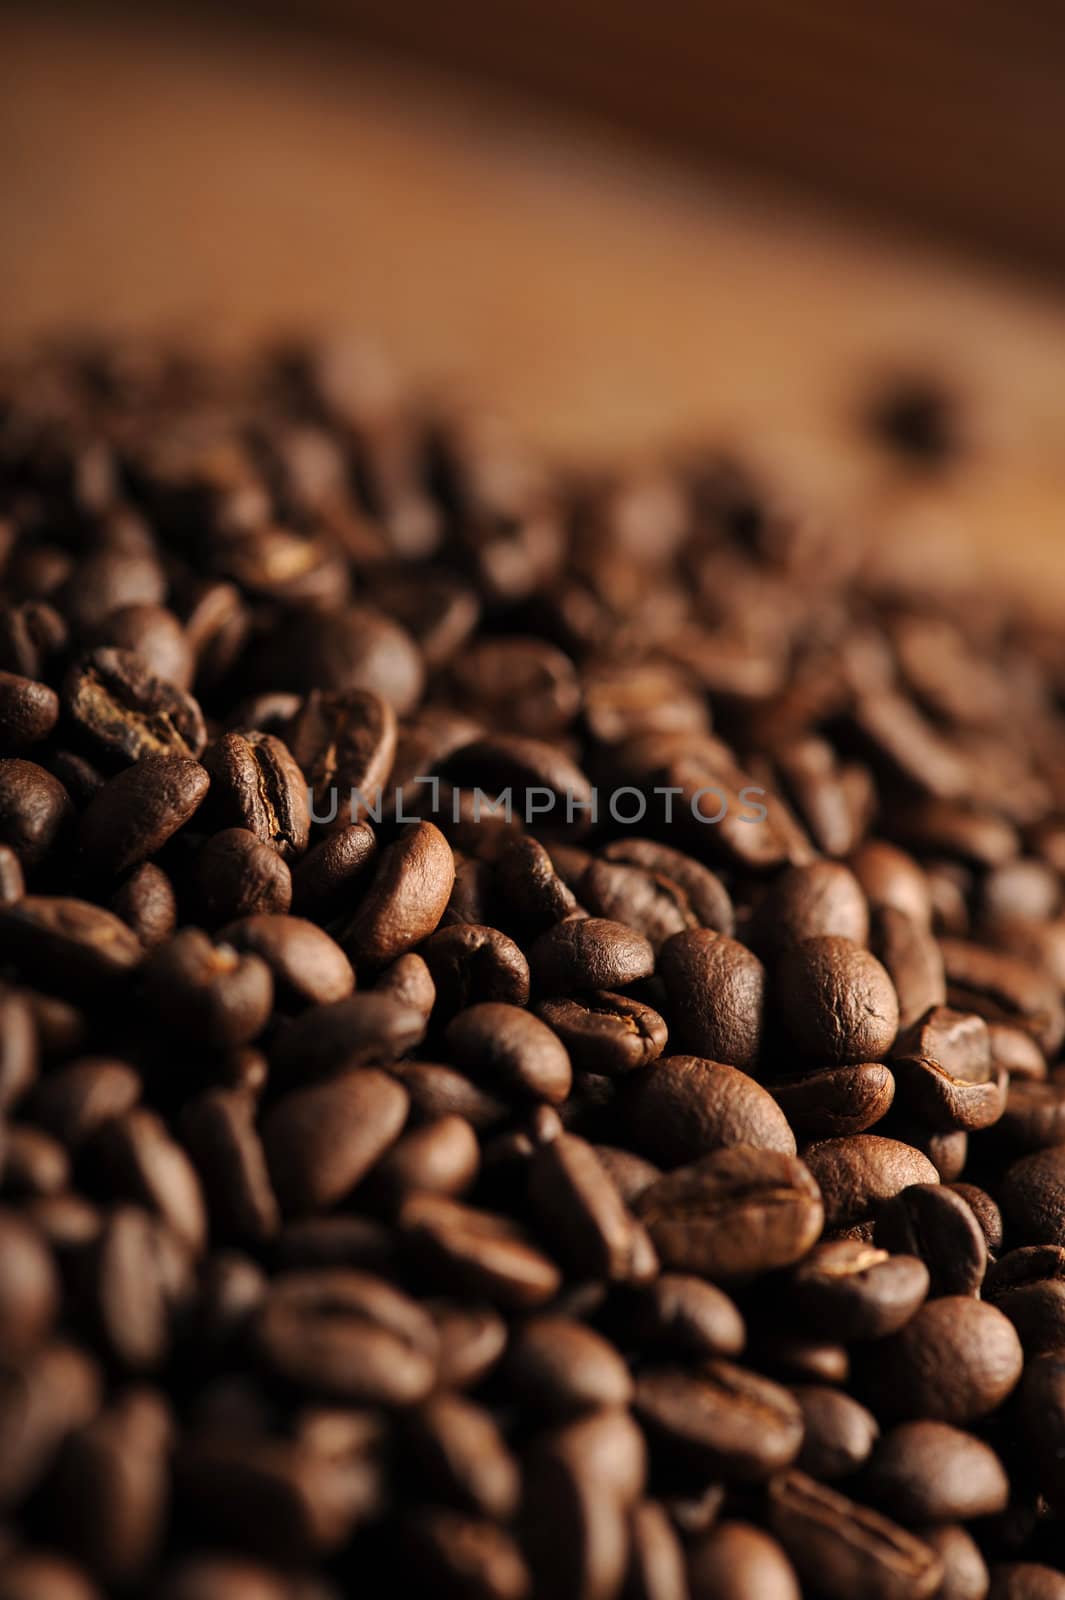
{"type": "Point", "coordinates": [531, 1012]}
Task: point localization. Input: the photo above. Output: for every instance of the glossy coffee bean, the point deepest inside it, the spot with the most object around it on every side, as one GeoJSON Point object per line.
{"type": "Point", "coordinates": [930, 1472]}
{"type": "Point", "coordinates": [935, 1224]}
{"type": "Point", "coordinates": [838, 1433]}
{"type": "Point", "coordinates": [510, 1051]}
{"type": "Point", "coordinates": [836, 1001]}
{"type": "Point", "coordinates": [716, 989]}
{"type": "Point", "coordinates": [954, 1361]}
{"type": "Point", "coordinates": [857, 1174]}
{"type": "Point", "coordinates": [256, 785]}
{"type": "Point", "coordinates": [683, 1107]}
{"type": "Point", "coordinates": [846, 1548]}
{"type": "Point", "coordinates": [321, 1140]}
{"type": "Point", "coordinates": [237, 875]}
{"type": "Point", "coordinates": [590, 954]}
{"type": "Point", "coordinates": [406, 897]}
{"type": "Point", "coordinates": [139, 809]}
{"type": "Point", "coordinates": [725, 1420]}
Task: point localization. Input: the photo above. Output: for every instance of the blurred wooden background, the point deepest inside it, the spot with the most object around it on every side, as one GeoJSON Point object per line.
{"type": "Point", "coordinates": [207, 175]}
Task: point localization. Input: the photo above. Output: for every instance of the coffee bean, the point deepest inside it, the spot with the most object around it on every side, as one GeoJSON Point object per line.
{"type": "Point", "coordinates": [836, 1101]}
{"type": "Point", "coordinates": [19, 1052]}
{"type": "Point", "coordinates": [733, 1214]}
{"type": "Point", "coordinates": [35, 1575]}
{"type": "Point", "coordinates": [29, 1287]}
{"type": "Point", "coordinates": [154, 634]}
{"type": "Point", "coordinates": [682, 1107]}
{"type": "Point", "coordinates": [820, 900]}
{"type": "Point", "coordinates": [34, 1163]}
{"type": "Point", "coordinates": [12, 882]}
{"type": "Point", "coordinates": [716, 992]}
{"type": "Point", "coordinates": [1025, 1580]}
{"type": "Point", "coordinates": [125, 712]}
{"type": "Point", "coordinates": [836, 1002]}
{"type": "Point", "coordinates": [737, 1561]}
{"type": "Point", "coordinates": [847, 1549]}
{"type": "Point", "coordinates": [934, 1223]}
{"type": "Point", "coordinates": [926, 1090]}
{"type": "Point", "coordinates": [69, 942]}
{"type": "Point", "coordinates": [345, 744]}
{"type": "Point", "coordinates": [911, 957]}
{"type": "Point", "coordinates": [219, 1130]}
{"type": "Point", "coordinates": [74, 1101]}
{"type": "Point", "coordinates": [35, 812]}
{"type": "Point", "coordinates": [28, 711]}
{"type": "Point", "coordinates": [406, 898]}
{"type": "Point", "coordinates": [212, 994]}
{"type": "Point", "coordinates": [439, 1091]}
{"type": "Point", "coordinates": [589, 954]}
{"type": "Point", "coordinates": [320, 1141]}
{"type": "Point", "coordinates": [147, 904]}
{"type": "Point", "coordinates": [138, 810]}
{"type": "Point", "coordinates": [1028, 1286]}
{"type": "Point", "coordinates": [656, 1556]}
{"type": "Point", "coordinates": [486, 1255]}
{"type": "Point", "coordinates": [358, 648]}
{"type": "Point", "coordinates": [511, 1050]}
{"type": "Point", "coordinates": [707, 895]}
{"type": "Point", "coordinates": [324, 880]}
{"type": "Point", "coordinates": [857, 1174]}
{"type": "Point", "coordinates": [838, 1433]}
{"type": "Point", "coordinates": [143, 1163]}
{"type": "Point", "coordinates": [363, 1030]}
{"type": "Point", "coordinates": [684, 1314]}
{"type": "Point", "coordinates": [857, 1289]}
{"type": "Point", "coordinates": [724, 1420]}
{"type": "Point", "coordinates": [954, 1361]}
{"type": "Point", "coordinates": [309, 968]}
{"type": "Point", "coordinates": [965, 1574]}
{"type": "Point", "coordinates": [1032, 1196]}
{"type": "Point", "coordinates": [577, 1205]}
{"type": "Point", "coordinates": [890, 877]}
{"type": "Point", "coordinates": [1004, 988]}
{"type": "Point", "coordinates": [470, 964]}
{"type": "Point", "coordinates": [464, 1556]}
{"type": "Point", "coordinates": [559, 1366]}
{"type": "Point", "coordinates": [442, 1157]}
{"type": "Point", "coordinates": [930, 1472]}
{"type": "Point", "coordinates": [606, 1034]}
{"type": "Point", "coordinates": [535, 895]}
{"type": "Point", "coordinates": [140, 1286]}
{"type": "Point", "coordinates": [459, 1453]}
{"type": "Point", "coordinates": [256, 784]}
{"type": "Point", "coordinates": [646, 902]}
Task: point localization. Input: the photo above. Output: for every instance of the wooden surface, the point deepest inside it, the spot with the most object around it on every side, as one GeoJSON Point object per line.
{"type": "Point", "coordinates": [155, 176]}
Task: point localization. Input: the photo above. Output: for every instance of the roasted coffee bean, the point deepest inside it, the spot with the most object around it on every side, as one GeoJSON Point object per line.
{"type": "Point", "coordinates": [724, 1420]}
{"type": "Point", "coordinates": [1004, 988]}
{"type": "Point", "coordinates": [357, 648]}
{"type": "Point", "coordinates": [835, 1000]}
{"type": "Point", "coordinates": [535, 895]}
{"type": "Point", "coordinates": [928, 1092]}
{"type": "Point", "coordinates": [737, 1561]}
{"type": "Point", "coordinates": [219, 1129]}
{"type": "Point", "coordinates": [846, 1549]}
{"type": "Point", "coordinates": [34, 1163]}
{"type": "Point", "coordinates": [138, 810]}
{"type": "Point", "coordinates": [684, 1314]}
{"type": "Point", "coordinates": [857, 1174]}
{"type": "Point", "coordinates": [580, 1211]}
{"type": "Point", "coordinates": [29, 1287]}
{"type": "Point", "coordinates": [857, 1289]}
{"type": "Point", "coordinates": [405, 900]}
{"type": "Point", "coordinates": [19, 1052]}
{"type": "Point", "coordinates": [1034, 1117]}
{"type": "Point", "coordinates": [35, 812]}
{"type": "Point", "coordinates": [559, 1366]}
{"type": "Point", "coordinates": [138, 1160]}
{"type": "Point", "coordinates": [469, 964]}
{"type": "Point", "coordinates": [930, 1472]}
{"type": "Point", "coordinates": [460, 1455]}
{"type": "Point", "coordinates": [408, 981]}
{"type": "Point", "coordinates": [113, 699]}
{"type": "Point", "coordinates": [237, 875]}
{"type": "Point", "coordinates": [838, 1433]}
{"type": "Point", "coordinates": [72, 1102]}
{"type": "Point", "coordinates": [644, 901]}
{"type": "Point", "coordinates": [889, 877]}
{"type": "Point", "coordinates": [463, 1556]}
{"type": "Point", "coordinates": [439, 1091]}
{"type": "Point", "coordinates": [488, 1256]}
{"type": "Point", "coordinates": [1028, 1285]}
{"type": "Point", "coordinates": [682, 1107]}
{"type": "Point", "coordinates": [589, 954]}
{"type": "Point", "coordinates": [716, 991]}
{"type": "Point", "coordinates": [309, 968]}
{"type": "Point", "coordinates": [12, 881]}
{"type": "Point", "coordinates": [836, 1101]}
{"type": "Point", "coordinates": [707, 895]}
{"type": "Point", "coordinates": [820, 900]}
{"type": "Point", "coordinates": [256, 784]}
{"type": "Point", "coordinates": [345, 744]}
{"type": "Point", "coordinates": [442, 1157]}
{"type": "Point", "coordinates": [606, 1034]}
{"type": "Point", "coordinates": [1026, 1580]}
{"type": "Point", "coordinates": [965, 1574]}
{"type": "Point", "coordinates": [325, 879]}
{"type": "Point", "coordinates": [147, 904]}
{"type": "Point", "coordinates": [28, 711]}
{"type": "Point", "coordinates": [1032, 1196]}
{"type": "Point", "coordinates": [155, 635]}
{"type": "Point", "coordinates": [510, 1050]}
{"type": "Point", "coordinates": [363, 1030]}
{"type": "Point", "coordinates": [656, 1556]}
{"type": "Point", "coordinates": [141, 1284]}
{"type": "Point", "coordinates": [347, 1337]}
{"type": "Point", "coordinates": [910, 955]}
{"type": "Point", "coordinates": [934, 1223]}
{"type": "Point", "coordinates": [321, 1140]}
{"type": "Point", "coordinates": [69, 943]}
{"type": "Point", "coordinates": [212, 994]}
{"type": "Point", "coordinates": [733, 1214]}
{"type": "Point", "coordinates": [954, 1361]}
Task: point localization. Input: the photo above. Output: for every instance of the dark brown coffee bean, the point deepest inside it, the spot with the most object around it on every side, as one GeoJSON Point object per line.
{"type": "Point", "coordinates": [656, 1556]}
{"type": "Point", "coordinates": [143, 1163]}
{"type": "Point", "coordinates": [141, 1284]}
{"type": "Point", "coordinates": [716, 992]}
{"type": "Point", "coordinates": [847, 1549]}
{"type": "Point", "coordinates": [932, 1222]}
{"type": "Point", "coordinates": [954, 1361]}
{"type": "Point", "coordinates": [406, 898]}
{"type": "Point", "coordinates": [856, 1174]}
{"type": "Point", "coordinates": [19, 1051]}
{"type": "Point", "coordinates": [256, 784]}
{"type": "Point", "coordinates": [836, 1001]}
{"type": "Point", "coordinates": [456, 1556]}
{"type": "Point", "coordinates": [442, 1156]}
{"type": "Point", "coordinates": [577, 1204]}
{"type": "Point", "coordinates": [28, 711]}
{"type": "Point", "coordinates": [363, 1030]}
{"type": "Point", "coordinates": [856, 1289]}
{"type": "Point", "coordinates": [138, 810]}
{"type": "Point", "coordinates": [510, 1050]}
{"type": "Point", "coordinates": [820, 900]}
{"type": "Point", "coordinates": [965, 1574]}
{"type": "Point", "coordinates": [347, 1337]}
{"type": "Point", "coordinates": [836, 1101]}
{"type": "Point", "coordinates": [212, 994]}
{"type": "Point", "coordinates": [838, 1433]}
{"type": "Point", "coordinates": [34, 1163]}
{"type": "Point", "coordinates": [68, 942]}
{"type": "Point", "coordinates": [644, 901]}
{"type": "Point", "coordinates": [459, 1453]}
{"type": "Point", "coordinates": [535, 895]}
{"type": "Point", "coordinates": [1028, 1286]}
{"type": "Point", "coordinates": [439, 1091]}
{"type": "Point", "coordinates": [114, 700]}
{"type": "Point", "coordinates": [470, 964]}
{"type": "Point", "coordinates": [559, 1366]}
{"type": "Point", "coordinates": [707, 896]}
{"type": "Point", "coordinates": [927, 1091]}
{"type": "Point", "coordinates": [1026, 1580]}
{"type": "Point", "coordinates": [1004, 988]}
{"type": "Point", "coordinates": [1034, 1117]}
{"type": "Point", "coordinates": [911, 956]}
{"type": "Point", "coordinates": [488, 1256]}
{"type": "Point", "coordinates": [320, 1141]}
{"type": "Point", "coordinates": [737, 1561]}
{"type": "Point", "coordinates": [237, 875]}
{"type": "Point", "coordinates": [408, 981]}
{"type": "Point", "coordinates": [357, 648]}
{"type": "Point", "coordinates": [29, 1287]}
{"type": "Point", "coordinates": [219, 1129]}
{"type": "Point", "coordinates": [682, 1107]}
{"type": "Point", "coordinates": [325, 880]}
{"type": "Point", "coordinates": [930, 1472]}
{"type": "Point", "coordinates": [735, 1213]}
{"type": "Point", "coordinates": [724, 1420]}
{"type": "Point", "coordinates": [309, 967]}
{"type": "Point", "coordinates": [155, 635]}
{"type": "Point", "coordinates": [684, 1314]}
{"type": "Point", "coordinates": [12, 882]}
{"type": "Point", "coordinates": [889, 877]}
{"type": "Point", "coordinates": [35, 812]}
{"type": "Point", "coordinates": [471, 1341]}
{"type": "Point", "coordinates": [606, 1034]}
{"type": "Point", "coordinates": [345, 744]}
{"type": "Point", "coordinates": [147, 904]}
{"type": "Point", "coordinates": [589, 954]}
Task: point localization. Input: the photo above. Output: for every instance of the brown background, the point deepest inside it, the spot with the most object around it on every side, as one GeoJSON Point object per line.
{"type": "Point", "coordinates": [220, 178]}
